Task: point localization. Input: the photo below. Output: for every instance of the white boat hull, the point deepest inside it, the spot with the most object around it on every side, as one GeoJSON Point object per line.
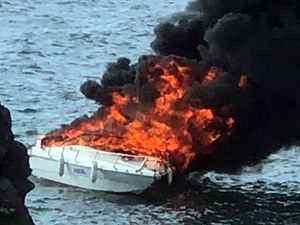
{"type": "Point", "coordinates": [92, 169]}
{"type": "Point", "coordinates": [80, 176]}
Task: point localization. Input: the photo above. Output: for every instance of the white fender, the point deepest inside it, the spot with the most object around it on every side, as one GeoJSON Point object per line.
{"type": "Point", "coordinates": [94, 172]}
{"type": "Point", "coordinates": [170, 175]}
{"type": "Point", "coordinates": [61, 168]}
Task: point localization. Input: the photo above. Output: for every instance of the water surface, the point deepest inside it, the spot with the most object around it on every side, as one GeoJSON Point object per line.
{"type": "Point", "coordinates": [49, 48]}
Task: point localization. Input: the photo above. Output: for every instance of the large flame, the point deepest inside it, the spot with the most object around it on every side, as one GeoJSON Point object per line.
{"type": "Point", "coordinates": [168, 124]}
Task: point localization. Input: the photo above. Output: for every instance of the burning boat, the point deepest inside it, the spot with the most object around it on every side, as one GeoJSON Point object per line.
{"type": "Point", "coordinates": [235, 106]}
{"type": "Point", "coordinates": [94, 169]}
{"type": "Point", "coordinates": [140, 133]}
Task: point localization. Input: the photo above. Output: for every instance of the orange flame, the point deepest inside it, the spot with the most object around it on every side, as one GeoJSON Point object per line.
{"type": "Point", "coordinates": [154, 131]}
{"type": "Point", "coordinates": [211, 75]}
{"type": "Point", "coordinates": [243, 81]}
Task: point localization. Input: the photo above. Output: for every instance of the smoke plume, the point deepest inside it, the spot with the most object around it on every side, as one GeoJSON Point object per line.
{"type": "Point", "coordinates": [258, 39]}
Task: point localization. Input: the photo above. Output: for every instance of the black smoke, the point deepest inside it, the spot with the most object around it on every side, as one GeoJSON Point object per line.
{"type": "Point", "coordinates": [116, 75]}
{"type": "Point", "coordinates": [256, 38]}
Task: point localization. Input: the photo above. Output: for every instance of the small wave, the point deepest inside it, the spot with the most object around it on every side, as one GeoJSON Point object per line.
{"type": "Point", "coordinates": [38, 201]}
{"type": "Point", "coordinates": [29, 52]}
{"type": "Point", "coordinates": [43, 209]}
{"type": "Point", "coordinates": [80, 35]}
{"type": "Point", "coordinates": [28, 72]}
{"type": "Point", "coordinates": [46, 71]}
{"type": "Point", "coordinates": [31, 132]}
{"type": "Point", "coordinates": [55, 44]}
{"type": "Point", "coordinates": [65, 2]}
{"type": "Point", "coordinates": [28, 110]}
{"type": "Point", "coordinates": [72, 96]}
{"type": "Point", "coordinates": [33, 66]}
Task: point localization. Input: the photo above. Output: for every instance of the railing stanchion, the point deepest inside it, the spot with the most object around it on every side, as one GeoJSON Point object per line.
{"type": "Point", "coordinates": [49, 152]}
{"type": "Point", "coordinates": [142, 165]}
{"type": "Point", "coordinates": [75, 159]}
{"type": "Point", "coordinates": [95, 157]}
{"type": "Point", "coordinates": [62, 152]}
{"type": "Point", "coordinates": [116, 163]}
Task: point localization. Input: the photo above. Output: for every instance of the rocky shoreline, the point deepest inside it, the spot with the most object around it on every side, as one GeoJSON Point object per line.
{"type": "Point", "coordinates": [14, 171]}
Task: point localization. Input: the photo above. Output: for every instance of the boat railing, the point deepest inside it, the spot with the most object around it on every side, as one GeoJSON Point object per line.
{"type": "Point", "coordinates": [138, 167]}
{"type": "Point", "coordinates": [99, 152]}
{"type": "Point", "coordinates": [142, 165]}
{"type": "Point", "coordinates": [119, 156]}
{"type": "Point", "coordinates": [117, 162]}
{"type": "Point", "coordinates": [128, 157]}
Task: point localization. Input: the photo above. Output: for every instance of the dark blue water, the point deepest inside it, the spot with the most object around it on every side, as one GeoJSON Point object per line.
{"type": "Point", "coordinates": [49, 48]}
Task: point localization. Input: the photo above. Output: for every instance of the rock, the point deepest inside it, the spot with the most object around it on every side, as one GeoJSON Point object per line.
{"type": "Point", "coordinates": [12, 209]}
{"type": "Point", "coordinates": [14, 171]}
